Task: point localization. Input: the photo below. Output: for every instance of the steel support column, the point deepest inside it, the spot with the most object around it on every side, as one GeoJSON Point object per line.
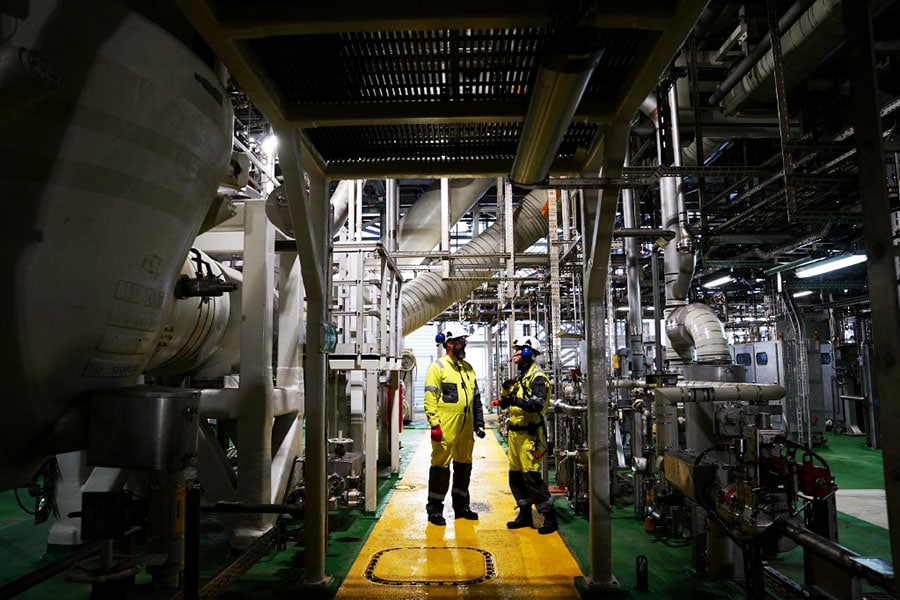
{"type": "Point", "coordinates": [881, 262]}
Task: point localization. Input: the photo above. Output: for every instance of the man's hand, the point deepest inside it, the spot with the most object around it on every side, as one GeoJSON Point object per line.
{"type": "Point", "coordinates": [480, 433]}
{"type": "Point", "coordinates": [509, 384]}
{"type": "Point", "coordinates": [503, 401]}
{"type": "Point", "coordinates": [437, 435]}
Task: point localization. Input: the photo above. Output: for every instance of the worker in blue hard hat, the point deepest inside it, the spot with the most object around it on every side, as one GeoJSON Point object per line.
{"type": "Point", "coordinates": [527, 396]}
{"type": "Point", "coordinates": [454, 412]}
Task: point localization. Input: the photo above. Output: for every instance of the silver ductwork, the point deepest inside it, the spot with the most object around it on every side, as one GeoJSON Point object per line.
{"type": "Point", "coordinates": [420, 227]}
{"type": "Point", "coordinates": [808, 42]}
{"type": "Point", "coordinates": [633, 280]}
{"type": "Point", "coordinates": [428, 294]}
{"type": "Point", "coordinates": [558, 88]}
{"type": "Point", "coordinates": [680, 260]}
{"type": "Point", "coordinates": [696, 334]}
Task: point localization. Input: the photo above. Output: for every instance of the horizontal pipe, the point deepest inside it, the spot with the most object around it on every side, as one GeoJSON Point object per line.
{"type": "Point", "coordinates": [638, 232]}
{"type": "Point", "coordinates": [838, 555]}
{"type": "Point", "coordinates": [715, 391]}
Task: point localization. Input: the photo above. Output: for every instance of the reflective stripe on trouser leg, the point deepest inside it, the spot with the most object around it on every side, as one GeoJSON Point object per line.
{"type": "Point", "coordinates": [438, 484]}
{"type": "Point", "coordinates": [462, 472]}
{"type": "Point", "coordinates": [538, 492]}
{"type": "Point", "coordinates": [518, 488]}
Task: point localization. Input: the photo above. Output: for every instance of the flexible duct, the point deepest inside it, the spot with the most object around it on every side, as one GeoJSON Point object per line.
{"type": "Point", "coordinates": [420, 227]}
{"type": "Point", "coordinates": [805, 46]}
{"type": "Point", "coordinates": [696, 333]}
{"type": "Point", "coordinates": [765, 44]}
{"type": "Point", "coordinates": [428, 294]}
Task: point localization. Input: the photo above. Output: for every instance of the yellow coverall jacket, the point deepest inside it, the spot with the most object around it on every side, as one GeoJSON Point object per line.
{"type": "Point", "coordinates": [528, 402]}
{"type": "Point", "coordinates": [453, 401]}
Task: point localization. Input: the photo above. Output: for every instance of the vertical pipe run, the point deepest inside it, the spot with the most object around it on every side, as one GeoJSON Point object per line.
{"type": "Point", "coordinates": [445, 226]}
{"type": "Point", "coordinates": [633, 280]}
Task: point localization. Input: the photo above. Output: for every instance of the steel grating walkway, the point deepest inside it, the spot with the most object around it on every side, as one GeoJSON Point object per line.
{"type": "Point", "coordinates": [406, 557]}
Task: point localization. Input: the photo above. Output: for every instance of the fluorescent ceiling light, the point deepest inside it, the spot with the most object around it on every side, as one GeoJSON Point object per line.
{"type": "Point", "coordinates": [801, 294]}
{"type": "Point", "coordinates": [717, 282]}
{"type": "Point", "coordinates": [831, 264]}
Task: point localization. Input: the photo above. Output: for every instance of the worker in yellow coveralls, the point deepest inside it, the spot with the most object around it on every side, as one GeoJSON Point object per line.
{"type": "Point", "coordinates": [527, 397]}
{"type": "Point", "coordinates": [454, 412]}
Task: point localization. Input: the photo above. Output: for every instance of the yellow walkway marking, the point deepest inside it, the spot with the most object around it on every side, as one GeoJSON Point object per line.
{"type": "Point", "coordinates": [407, 557]}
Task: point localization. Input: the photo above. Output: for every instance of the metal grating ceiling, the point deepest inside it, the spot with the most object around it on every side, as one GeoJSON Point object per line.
{"type": "Point", "coordinates": [387, 66]}
{"type": "Point", "coordinates": [434, 142]}
{"type": "Point", "coordinates": [414, 89]}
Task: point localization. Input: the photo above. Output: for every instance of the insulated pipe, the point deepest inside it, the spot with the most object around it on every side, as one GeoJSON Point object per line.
{"type": "Point", "coordinates": [428, 294]}
{"type": "Point", "coordinates": [633, 283]}
{"type": "Point", "coordinates": [558, 88]}
{"type": "Point", "coordinates": [765, 44]}
{"type": "Point", "coordinates": [340, 203]}
{"type": "Point", "coordinates": [695, 332]}
{"type": "Point", "coordinates": [719, 391]}
{"type": "Point", "coordinates": [420, 227]}
{"type": "Point", "coordinates": [278, 211]}
{"type": "Point", "coordinates": [679, 260]}
{"type": "Point", "coordinates": [805, 45]}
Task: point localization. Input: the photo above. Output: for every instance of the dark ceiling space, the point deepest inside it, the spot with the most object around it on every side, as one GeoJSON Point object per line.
{"type": "Point", "coordinates": [414, 91]}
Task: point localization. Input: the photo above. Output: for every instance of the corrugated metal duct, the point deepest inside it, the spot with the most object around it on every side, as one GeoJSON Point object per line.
{"type": "Point", "coordinates": [428, 294]}
{"type": "Point", "coordinates": [420, 227]}
{"type": "Point", "coordinates": [809, 41]}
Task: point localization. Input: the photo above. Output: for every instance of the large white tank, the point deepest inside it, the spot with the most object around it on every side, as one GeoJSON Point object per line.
{"type": "Point", "coordinates": [106, 182]}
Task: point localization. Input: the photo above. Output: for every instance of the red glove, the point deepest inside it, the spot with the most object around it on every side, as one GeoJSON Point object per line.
{"type": "Point", "coordinates": [495, 402]}
{"type": "Point", "coordinates": [436, 434]}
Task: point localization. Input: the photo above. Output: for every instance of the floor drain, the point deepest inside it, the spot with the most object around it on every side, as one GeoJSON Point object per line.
{"type": "Point", "coordinates": [431, 565]}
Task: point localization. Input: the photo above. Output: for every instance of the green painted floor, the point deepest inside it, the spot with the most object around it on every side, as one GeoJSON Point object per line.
{"type": "Point", "coordinates": [278, 575]}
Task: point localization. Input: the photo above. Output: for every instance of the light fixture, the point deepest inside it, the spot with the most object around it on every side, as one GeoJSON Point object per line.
{"type": "Point", "coordinates": [802, 294]}
{"type": "Point", "coordinates": [269, 143]}
{"type": "Point", "coordinates": [831, 264]}
{"type": "Point", "coordinates": [718, 281]}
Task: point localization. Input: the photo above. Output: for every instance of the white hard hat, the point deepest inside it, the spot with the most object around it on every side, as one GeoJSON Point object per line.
{"type": "Point", "coordinates": [528, 342]}
{"type": "Point", "coordinates": [454, 329]}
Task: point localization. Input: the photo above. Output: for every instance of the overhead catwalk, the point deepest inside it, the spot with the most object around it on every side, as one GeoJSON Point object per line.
{"type": "Point", "coordinates": [407, 557]}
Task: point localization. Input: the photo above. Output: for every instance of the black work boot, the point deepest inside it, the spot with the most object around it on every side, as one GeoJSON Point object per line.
{"type": "Point", "coordinates": [550, 524]}
{"type": "Point", "coordinates": [466, 513]}
{"type": "Point", "coordinates": [523, 519]}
